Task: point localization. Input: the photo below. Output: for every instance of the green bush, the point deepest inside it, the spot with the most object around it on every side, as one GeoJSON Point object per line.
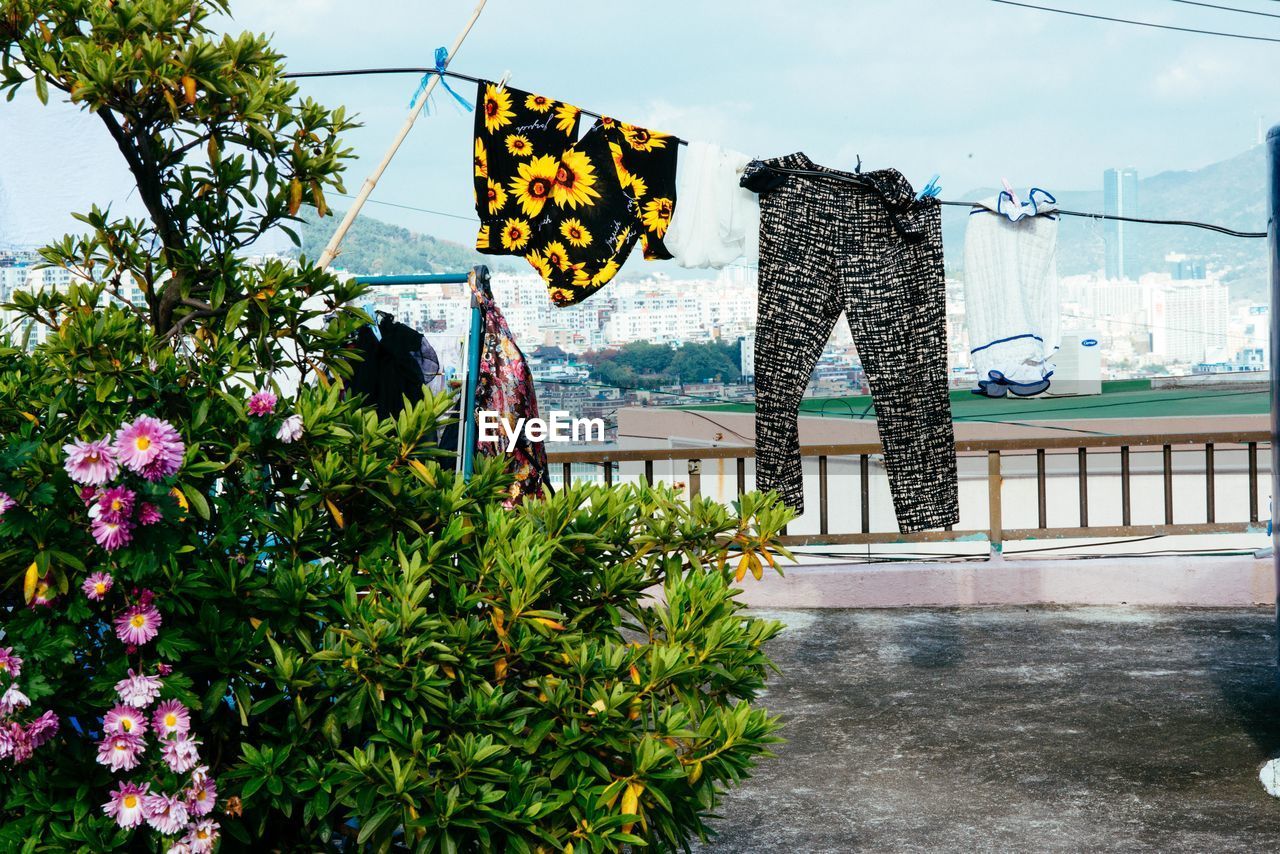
{"type": "Point", "coordinates": [314, 637]}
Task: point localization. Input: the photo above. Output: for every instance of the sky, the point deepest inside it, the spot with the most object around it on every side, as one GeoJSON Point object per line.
{"type": "Point", "coordinates": [970, 89]}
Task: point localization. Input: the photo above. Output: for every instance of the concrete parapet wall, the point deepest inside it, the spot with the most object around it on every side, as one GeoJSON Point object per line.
{"type": "Point", "coordinates": [1218, 581]}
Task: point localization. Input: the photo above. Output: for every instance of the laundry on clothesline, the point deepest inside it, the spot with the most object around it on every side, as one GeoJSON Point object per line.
{"type": "Point", "coordinates": [833, 246]}
{"type": "Point", "coordinates": [573, 208]}
{"type": "Point", "coordinates": [717, 221]}
{"type": "Point", "coordinates": [505, 387]}
{"type": "Point", "coordinates": [1011, 293]}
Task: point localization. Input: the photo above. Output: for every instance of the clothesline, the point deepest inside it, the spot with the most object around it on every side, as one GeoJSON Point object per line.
{"type": "Point", "coordinates": [356, 72]}
{"type": "Point", "coordinates": [1221, 229]}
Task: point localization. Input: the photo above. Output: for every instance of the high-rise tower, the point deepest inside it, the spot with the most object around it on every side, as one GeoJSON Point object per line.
{"type": "Point", "coordinates": [1120, 198]}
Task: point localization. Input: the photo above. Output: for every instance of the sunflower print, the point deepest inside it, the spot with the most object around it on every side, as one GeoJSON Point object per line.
{"type": "Point", "coordinates": [623, 238]}
{"type": "Point", "coordinates": [497, 108]}
{"type": "Point", "coordinates": [539, 263]}
{"type": "Point", "coordinates": [546, 195]}
{"type": "Point", "coordinates": [643, 140]}
{"type": "Point", "coordinates": [657, 215]}
{"type": "Point", "coordinates": [567, 118]}
{"type": "Point", "coordinates": [497, 196]}
{"type": "Point", "coordinates": [557, 256]}
{"type": "Point", "coordinates": [576, 233]}
{"type": "Point", "coordinates": [575, 180]}
{"type": "Point", "coordinates": [534, 183]}
{"type": "Point", "coordinates": [605, 273]}
{"type": "Point", "coordinates": [538, 103]}
{"type": "Point", "coordinates": [515, 234]}
{"type": "Point", "coordinates": [624, 177]}
{"type": "Point", "coordinates": [519, 145]}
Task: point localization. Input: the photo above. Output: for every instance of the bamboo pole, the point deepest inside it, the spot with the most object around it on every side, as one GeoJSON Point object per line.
{"type": "Point", "coordinates": [331, 250]}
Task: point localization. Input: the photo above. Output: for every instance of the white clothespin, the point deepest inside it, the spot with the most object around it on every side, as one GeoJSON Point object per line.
{"type": "Point", "coordinates": [502, 81]}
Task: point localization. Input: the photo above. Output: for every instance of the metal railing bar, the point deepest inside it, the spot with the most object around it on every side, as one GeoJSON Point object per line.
{"type": "Point", "coordinates": [1208, 482]}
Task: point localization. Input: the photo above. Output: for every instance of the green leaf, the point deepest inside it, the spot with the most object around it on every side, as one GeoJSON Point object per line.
{"type": "Point", "coordinates": [197, 500]}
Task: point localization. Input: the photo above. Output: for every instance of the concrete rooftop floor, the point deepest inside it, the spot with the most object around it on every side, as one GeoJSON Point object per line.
{"type": "Point", "coordinates": [1016, 729]}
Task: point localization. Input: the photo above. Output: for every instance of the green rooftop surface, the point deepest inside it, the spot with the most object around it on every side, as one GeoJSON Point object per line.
{"type": "Point", "coordinates": [1119, 399]}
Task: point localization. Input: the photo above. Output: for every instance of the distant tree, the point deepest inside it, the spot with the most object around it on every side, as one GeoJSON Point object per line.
{"type": "Point", "coordinates": [646, 358]}
{"type": "Point", "coordinates": [694, 363]}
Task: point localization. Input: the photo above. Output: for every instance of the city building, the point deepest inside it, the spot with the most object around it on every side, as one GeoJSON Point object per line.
{"type": "Point", "coordinates": [1120, 198]}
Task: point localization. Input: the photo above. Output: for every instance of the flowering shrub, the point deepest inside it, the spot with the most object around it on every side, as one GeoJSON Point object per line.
{"type": "Point", "coordinates": [242, 618]}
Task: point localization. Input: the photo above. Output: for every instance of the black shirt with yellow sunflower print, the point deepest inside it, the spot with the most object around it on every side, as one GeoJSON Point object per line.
{"type": "Point", "coordinates": [572, 207]}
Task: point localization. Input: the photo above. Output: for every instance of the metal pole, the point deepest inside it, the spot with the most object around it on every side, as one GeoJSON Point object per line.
{"type": "Point", "coordinates": [1273, 246]}
{"type": "Point", "coordinates": [469, 426]}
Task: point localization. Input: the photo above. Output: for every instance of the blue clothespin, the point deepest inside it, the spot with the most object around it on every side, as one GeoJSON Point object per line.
{"type": "Point", "coordinates": [931, 189]}
{"type": "Point", "coordinates": [442, 59]}
{"type": "Point", "coordinates": [371, 309]}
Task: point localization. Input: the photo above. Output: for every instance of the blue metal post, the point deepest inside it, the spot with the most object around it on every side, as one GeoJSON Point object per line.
{"type": "Point", "coordinates": [469, 432]}
{"type": "Point", "coordinates": [1273, 246]}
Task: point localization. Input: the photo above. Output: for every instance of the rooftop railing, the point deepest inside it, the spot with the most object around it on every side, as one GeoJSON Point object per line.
{"type": "Point", "coordinates": [1114, 462]}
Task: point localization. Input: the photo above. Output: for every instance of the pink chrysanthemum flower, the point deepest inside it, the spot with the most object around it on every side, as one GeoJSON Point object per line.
{"type": "Point", "coordinates": [181, 754]}
{"type": "Point", "coordinates": [10, 663]}
{"type": "Point", "coordinates": [9, 735]}
{"type": "Point", "coordinates": [138, 691]}
{"type": "Point", "coordinates": [42, 728]}
{"type": "Point", "coordinates": [165, 813]}
{"type": "Point", "coordinates": [6, 502]}
{"type": "Point", "coordinates": [171, 718]}
{"type": "Point", "coordinates": [12, 700]}
{"type": "Point", "coordinates": [148, 514]}
{"type": "Point", "coordinates": [89, 494]}
{"type": "Point", "coordinates": [111, 535]}
{"type": "Point", "coordinates": [291, 430]}
{"type": "Point", "coordinates": [202, 836]}
{"type": "Point", "coordinates": [125, 805]}
{"type": "Point", "coordinates": [19, 742]}
{"type": "Point", "coordinates": [91, 463]}
{"type": "Point", "coordinates": [97, 586]}
{"type": "Point", "coordinates": [121, 752]}
{"type": "Point", "coordinates": [202, 797]}
{"type": "Point", "coordinates": [116, 504]}
{"type": "Point", "coordinates": [150, 447]}
{"type": "Point", "coordinates": [262, 404]}
{"type": "Point", "coordinates": [139, 624]}
{"type": "Point", "coordinates": [125, 719]}
{"type": "Point", "coordinates": [179, 847]}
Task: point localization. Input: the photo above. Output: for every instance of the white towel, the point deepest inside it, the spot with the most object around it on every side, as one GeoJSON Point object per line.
{"type": "Point", "coordinates": [715, 221]}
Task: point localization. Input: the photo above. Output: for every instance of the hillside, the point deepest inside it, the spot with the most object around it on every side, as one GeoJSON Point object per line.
{"type": "Point", "coordinates": [1230, 193]}
{"type": "Point", "coordinates": [374, 247]}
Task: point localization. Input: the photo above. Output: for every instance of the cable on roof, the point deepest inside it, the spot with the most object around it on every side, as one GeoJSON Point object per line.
{"type": "Point", "coordinates": [1221, 229]}
{"type": "Point", "coordinates": [364, 71]}
{"type": "Point", "coordinates": [1136, 23]}
{"type": "Point", "coordinates": [407, 207]}
{"type": "Point", "coordinates": [1227, 8]}
{"type": "Point", "coordinates": [1088, 215]}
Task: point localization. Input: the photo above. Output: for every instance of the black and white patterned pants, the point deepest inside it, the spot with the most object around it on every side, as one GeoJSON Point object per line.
{"type": "Point", "coordinates": [827, 247]}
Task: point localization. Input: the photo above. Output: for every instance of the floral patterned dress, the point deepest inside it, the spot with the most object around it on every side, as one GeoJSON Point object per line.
{"type": "Point", "coordinates": [574, 208]}
{"type": "Point", "coordinates": [505, 386]}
